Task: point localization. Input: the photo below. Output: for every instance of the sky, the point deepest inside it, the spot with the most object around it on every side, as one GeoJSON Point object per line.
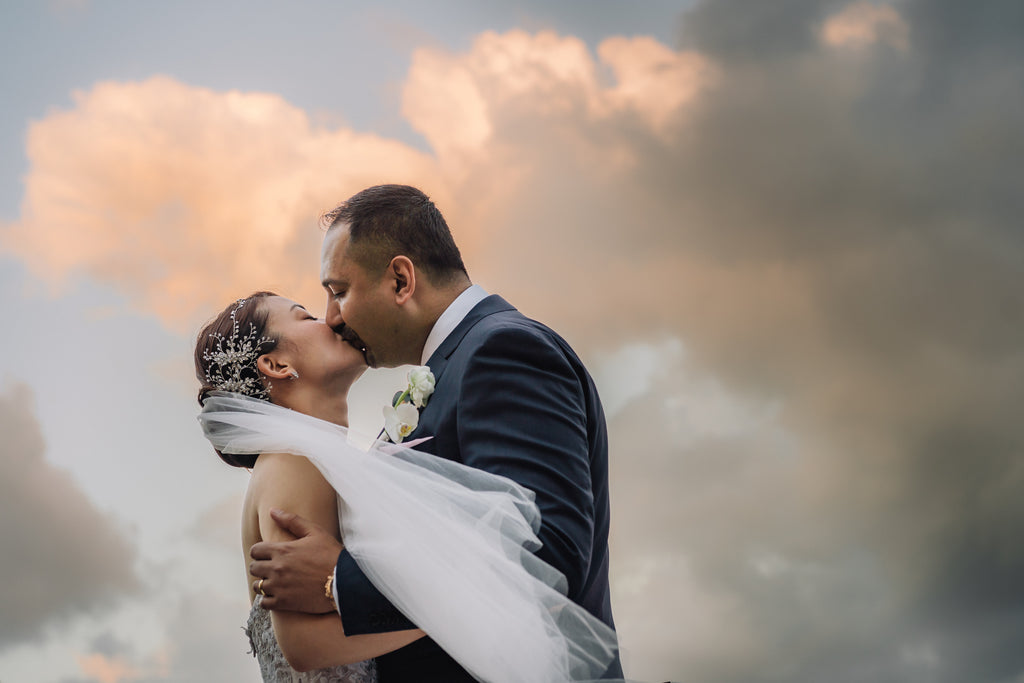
{"type": "Point", "coordinates": [783, 236]}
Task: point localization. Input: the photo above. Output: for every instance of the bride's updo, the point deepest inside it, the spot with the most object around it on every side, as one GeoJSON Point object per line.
{"type": "Point", "coordinates": [226, 353]}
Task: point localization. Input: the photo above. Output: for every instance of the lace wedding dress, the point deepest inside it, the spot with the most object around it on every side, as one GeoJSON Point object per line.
{"type": "Point", "coordinates": [450, 546]}
{"type": "Point", "coordinates": [274, 668]}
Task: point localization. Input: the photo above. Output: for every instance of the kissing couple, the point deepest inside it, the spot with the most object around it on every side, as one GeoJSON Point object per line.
{"type": "Point", "coordinates": [471, 543]}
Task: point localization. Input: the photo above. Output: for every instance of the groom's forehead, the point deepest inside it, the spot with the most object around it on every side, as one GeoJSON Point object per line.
{"type": "Point", "coordinates": [333, 256]}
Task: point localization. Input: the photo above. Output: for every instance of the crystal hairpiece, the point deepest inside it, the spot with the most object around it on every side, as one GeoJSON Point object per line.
{"type": "Point", "coordinates": [227, 363]}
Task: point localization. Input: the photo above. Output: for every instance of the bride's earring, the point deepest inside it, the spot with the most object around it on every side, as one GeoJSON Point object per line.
{"type": "Point", "coordinates": [295, 374]}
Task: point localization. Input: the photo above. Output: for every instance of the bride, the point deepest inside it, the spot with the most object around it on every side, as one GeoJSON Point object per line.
{"type": "Point", "coordinates": [275, 382]}
{"type": "Point", "coordinates": [270, 348]}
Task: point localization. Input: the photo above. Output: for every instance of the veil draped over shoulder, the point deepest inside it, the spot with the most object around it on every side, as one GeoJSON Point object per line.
{"type": "Point", "coordinates": [450, 546]}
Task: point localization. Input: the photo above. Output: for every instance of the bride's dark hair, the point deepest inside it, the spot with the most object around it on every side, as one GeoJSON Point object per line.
{"type": "Point", "coordinates": [248, 318]}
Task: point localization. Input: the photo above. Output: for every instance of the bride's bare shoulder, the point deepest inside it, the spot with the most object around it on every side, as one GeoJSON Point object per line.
{"type": "Point", "coordinates": [270, 466]}
{"type": "Point", "coordinates": [289, 482]}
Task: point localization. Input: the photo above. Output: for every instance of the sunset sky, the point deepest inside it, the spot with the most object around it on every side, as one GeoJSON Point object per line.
{"type": "Point", "coordinates": [784, 236]}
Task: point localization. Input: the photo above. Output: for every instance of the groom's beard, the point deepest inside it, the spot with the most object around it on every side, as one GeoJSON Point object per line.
{"type": "Point", "coordinates": [354, 340]}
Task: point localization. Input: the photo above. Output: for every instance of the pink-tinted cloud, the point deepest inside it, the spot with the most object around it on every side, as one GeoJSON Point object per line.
{"type": "Point", "coordinates": [184, 198]}
{"type": "Point", "coordinates": [861, 24]}
{"type": "Point", "coordinates": [108, 669]}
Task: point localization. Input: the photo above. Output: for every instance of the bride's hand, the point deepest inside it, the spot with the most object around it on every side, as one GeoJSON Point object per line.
{"type": "Point", "coordinates": [291, 575]}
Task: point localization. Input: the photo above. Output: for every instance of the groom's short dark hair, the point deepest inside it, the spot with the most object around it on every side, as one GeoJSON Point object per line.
{"type": "Point", "coordinates": [385, 221]}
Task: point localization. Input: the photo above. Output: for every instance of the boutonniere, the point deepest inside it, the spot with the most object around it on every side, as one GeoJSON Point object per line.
{"type": "Point", "coordinates": [402, 416]}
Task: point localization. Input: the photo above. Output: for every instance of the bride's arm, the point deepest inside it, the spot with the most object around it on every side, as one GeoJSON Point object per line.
{"type": "Point", "coordinates": [308, 641]}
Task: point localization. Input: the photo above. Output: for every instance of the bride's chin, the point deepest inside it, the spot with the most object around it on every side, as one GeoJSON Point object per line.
{"type": "Point", "coordinates": [355, 356]}
{"type": "Point", "coordinates": [356, 362]}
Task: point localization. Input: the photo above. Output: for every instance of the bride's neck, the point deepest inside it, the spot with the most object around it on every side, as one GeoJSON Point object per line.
{"type": "Point", "coordinates": [327, 407]}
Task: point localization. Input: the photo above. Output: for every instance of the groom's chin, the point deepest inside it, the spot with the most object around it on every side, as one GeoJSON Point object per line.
{"type": "Point", "coordinates": [368, 358]}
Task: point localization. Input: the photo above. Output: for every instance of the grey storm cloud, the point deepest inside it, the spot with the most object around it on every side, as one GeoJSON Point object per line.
{"type": "Point", "coordinates": [197, 627]}
{"type": "Point", "coordinates": [889, 184]}
{"type": "Point", "coordinates": [61, 555]}
{"type": "Point", "coordinates": [833, 230]}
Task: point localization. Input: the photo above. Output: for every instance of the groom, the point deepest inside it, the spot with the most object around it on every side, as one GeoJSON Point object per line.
{"type": "Point", "coordinates": [511, 398]}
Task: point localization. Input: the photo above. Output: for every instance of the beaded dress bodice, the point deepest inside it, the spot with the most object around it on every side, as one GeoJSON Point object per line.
{"type": "Point", "coordinates": [275, 668]}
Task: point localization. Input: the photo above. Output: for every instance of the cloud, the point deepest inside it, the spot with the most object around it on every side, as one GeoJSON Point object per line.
{"type": "Point", "coordinates": [822, 487]}
{"type": "Point", "coordinates": [108, 669]}
{"type": "Point", "coordinates": [218, 525]}
{"type": "Point", "coordinates": [628, 373]}
{"type": "Point", "coordinates": [186, 198]}
{"type": "Point", "coordinates": [62, 555]}
{"type": "Point", "coordinates": [860, 24]}
{"type": "Point", "coordinates": [832, 242]}
{"type": "Point", "coordinates": [205, 642]}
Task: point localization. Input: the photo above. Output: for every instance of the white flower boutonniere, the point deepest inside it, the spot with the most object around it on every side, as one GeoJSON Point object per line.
{"type": "Point", "coordinates": [400, 421]}
{"type": "Point", "coordinates": [402, 416]}
{"type": "Point", "coordinates": [421, 385]}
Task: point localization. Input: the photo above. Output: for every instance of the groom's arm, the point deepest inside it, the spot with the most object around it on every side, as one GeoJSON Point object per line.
{"type": "Point", "coordinates": [362, 607]}
{"type": "Point", "coordinates": [522, 414]}
{"type": "Point", "coordinates": [294, 575]}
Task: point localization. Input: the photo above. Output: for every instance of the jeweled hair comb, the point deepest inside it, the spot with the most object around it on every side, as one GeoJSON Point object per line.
{"type": "Point", "coordinates": [227, 363]}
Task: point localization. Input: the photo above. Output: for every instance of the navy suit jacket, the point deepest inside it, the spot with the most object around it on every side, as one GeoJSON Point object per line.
{"type": "Point", "coordinates": [510, 398]}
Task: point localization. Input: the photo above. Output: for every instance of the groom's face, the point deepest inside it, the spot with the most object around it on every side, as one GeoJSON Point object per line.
{"type": "Point", "coordinates": [360, 305]}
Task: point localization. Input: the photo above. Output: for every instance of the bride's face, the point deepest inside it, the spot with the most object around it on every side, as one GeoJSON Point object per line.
{"type": "Point", "coordinates": [309, 346]}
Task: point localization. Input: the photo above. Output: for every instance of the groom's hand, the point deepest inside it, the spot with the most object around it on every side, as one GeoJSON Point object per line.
{"type": "Point", "coordinates": [293, 573]}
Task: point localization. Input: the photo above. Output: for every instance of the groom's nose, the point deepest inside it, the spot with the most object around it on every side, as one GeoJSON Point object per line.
{"type": "Point", "coordinates": [333, 315]}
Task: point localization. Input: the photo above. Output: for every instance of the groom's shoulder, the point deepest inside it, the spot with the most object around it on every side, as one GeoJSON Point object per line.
{"type": "Point", "coordinates": [502, 317]}
{"type": "Point", "coordinates": [509, 327]}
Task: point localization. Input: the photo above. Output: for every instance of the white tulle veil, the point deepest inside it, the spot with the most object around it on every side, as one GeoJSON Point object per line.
{"type": "Point", "coordinates": [450, 546]}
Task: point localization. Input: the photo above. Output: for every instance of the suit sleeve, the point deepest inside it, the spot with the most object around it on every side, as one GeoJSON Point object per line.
{"type": "Point", "coordinates": [362, 607]}
{"type": "Point", "coordinates": [522, 414]}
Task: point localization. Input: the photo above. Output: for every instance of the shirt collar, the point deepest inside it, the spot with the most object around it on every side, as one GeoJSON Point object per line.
{"type": "Point", "coordinates": [450, 319]}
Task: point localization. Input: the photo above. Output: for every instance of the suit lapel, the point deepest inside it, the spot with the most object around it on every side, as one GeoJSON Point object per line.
{"type": "Point", "coordinates": [439, 361]}
{"type": "Point", "coordinates": [489, 306]}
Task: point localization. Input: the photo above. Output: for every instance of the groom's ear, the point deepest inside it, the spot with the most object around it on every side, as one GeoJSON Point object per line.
{"type": "Point", "coordinates": [404, 274]}
{"type": "Point", "coordinates": [272, 367]}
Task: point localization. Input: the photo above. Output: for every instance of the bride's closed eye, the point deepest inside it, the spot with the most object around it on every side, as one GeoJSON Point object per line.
{"type": "Point", "coordinates": [302, 313]}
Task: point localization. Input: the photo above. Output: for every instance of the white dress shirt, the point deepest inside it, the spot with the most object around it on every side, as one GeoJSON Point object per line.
{"type": "Point", "coordinates": [450, 319]}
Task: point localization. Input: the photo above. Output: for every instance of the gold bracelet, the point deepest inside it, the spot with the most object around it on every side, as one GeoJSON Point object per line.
{"type": "Point", "coordinates": [329, 592]}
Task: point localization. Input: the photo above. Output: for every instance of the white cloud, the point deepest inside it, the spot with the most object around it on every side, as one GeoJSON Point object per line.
{"type": "Point", "coordinates": [629, 373]}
